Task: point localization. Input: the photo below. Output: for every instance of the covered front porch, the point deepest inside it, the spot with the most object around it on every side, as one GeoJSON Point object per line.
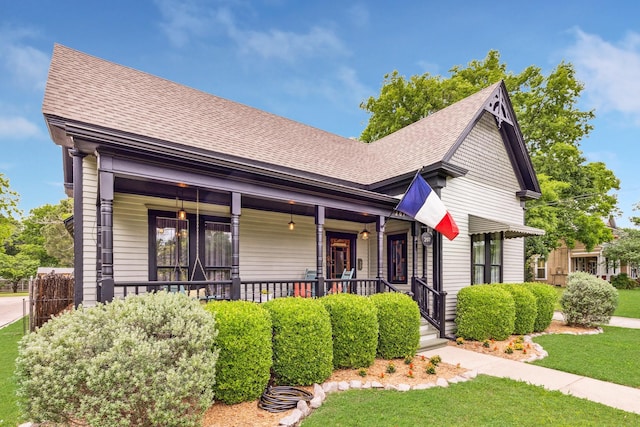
{"type": "Point", "coordinates": [160, 227]}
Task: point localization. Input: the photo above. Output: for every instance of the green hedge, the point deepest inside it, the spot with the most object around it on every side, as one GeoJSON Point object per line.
{"type": "Point", "coordinates": [588, 300]}
{"type": "Point", "coordinates": [145, 360]}
{"type": "Point", "coordinates": [525, 305]}
{"type": "Point", "coordinates": [623, 281]}
{"type": "Point", "coordinates": [484, 312]}
{"type": "Point", "coordinates": [302, 346]}
{"type": "Point", "coordinates": [546, 298]}
{"type": "Point", "coordinates": [399, 325]}
{"type": "Point", "coordinates": [244, 340]}
{"type": "Point", "coordinates": [354, 322]}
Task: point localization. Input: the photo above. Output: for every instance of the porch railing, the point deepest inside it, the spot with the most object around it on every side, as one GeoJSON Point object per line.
{"type": "Point", "coordinates": [258, 290]}
{"type": "Point", "coordinates": [432, 304]}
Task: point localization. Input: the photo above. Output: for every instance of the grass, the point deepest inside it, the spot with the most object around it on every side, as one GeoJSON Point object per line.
{"type": "Point", "coordinates": [628, 303]}
{"type": "Point", "coordinates": [9, 337]}
{"type": "Point", "coordinates": [611, 356]}
{"type": "Point", "coordinates": [482, 401]}
{"type": "Point", "coordinates": [14, 294]}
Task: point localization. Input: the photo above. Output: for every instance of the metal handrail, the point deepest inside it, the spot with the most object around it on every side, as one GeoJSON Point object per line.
{"type": "Point", "coordinates": [432, 304]}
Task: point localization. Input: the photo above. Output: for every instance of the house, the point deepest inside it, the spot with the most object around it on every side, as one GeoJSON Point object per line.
{"type": "Point", "coordinates": [181, 189]}
{"type": "Point", "coordinates": [565, 260]}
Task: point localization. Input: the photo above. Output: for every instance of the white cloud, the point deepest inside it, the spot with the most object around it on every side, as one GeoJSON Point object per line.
{"type": "Point", "coordinates": [28, 65]}
{"type": "Point", "coordinates": [287, 45]}
{"type": "Point", "coordinates": [18, 128]}
{"type": "Point", "coordinates": [184, 20]}
{"type": "Point", "coordinates": [610, 72]}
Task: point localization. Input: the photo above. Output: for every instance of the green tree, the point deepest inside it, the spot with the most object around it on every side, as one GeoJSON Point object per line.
{"type": "Point", "coordinates": [8, 198]}
{"type": "Point", "coordinates": [15, 268]}
{"type": "Point", "coordinates": [44, 236]}
{"type": "Point", "coordinates": [626, 248]}
{"type": "Point", "coordinates": [575, 193]}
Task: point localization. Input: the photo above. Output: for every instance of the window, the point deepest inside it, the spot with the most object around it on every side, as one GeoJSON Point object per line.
{"type": "Point", "coordinates": [174, 251]}
{"type": "Point", "coordinates": [397, 258]}
{"type": "Point", "coordinates": [540, 268]}
{"type": "Point", "coordinates": [486, 258]}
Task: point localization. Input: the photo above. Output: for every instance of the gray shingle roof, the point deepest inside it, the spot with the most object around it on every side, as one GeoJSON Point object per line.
{"type": "Point", "coordinates": [90, 90]}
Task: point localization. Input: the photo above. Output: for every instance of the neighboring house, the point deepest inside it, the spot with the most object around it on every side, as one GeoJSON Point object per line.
{"type": "Point", "coordinates": [178, 188]}
{"type": "Point", "coordinates": [564, 260]}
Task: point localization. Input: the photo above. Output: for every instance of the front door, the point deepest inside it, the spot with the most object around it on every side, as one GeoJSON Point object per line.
{"type": "Point", "coordinates": [341, 253]}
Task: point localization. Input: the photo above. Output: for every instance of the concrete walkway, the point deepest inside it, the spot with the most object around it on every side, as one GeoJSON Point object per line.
{"type": "Point", "coordinates": [11, 309]}
{"type": "Point", "coordinates": [614, 395]}
{"type": "Point", "coordinates": [621, 322]}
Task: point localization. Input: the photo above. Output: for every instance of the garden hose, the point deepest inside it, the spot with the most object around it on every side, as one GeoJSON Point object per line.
{"type": "Point", "coordinates": [282, 398]}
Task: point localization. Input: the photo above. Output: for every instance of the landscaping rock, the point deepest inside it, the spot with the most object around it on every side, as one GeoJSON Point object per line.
{"type": "Point", "coordinates": [292, 419]}
{"type": "Point", "coordinates": [376, 384]}
{"type": "Point", "coordinates": [316, 402]}
{"type": "Point", "coordinates": [303, 407]}
{"type": "Point", "coordinates": [343, 385]}
{"type": "Point", "coordinates": [318, 391]}
{"type": "Point", "coordinates": [330, 387]}
{"type": "Point", "coordinates": [355, 384]}
{"type": "Point", "coordinates": [367, 384]}
{"type": "Point", "coordinates": [403, 387]}
{"type": "Point", "coordinates": [441, 382]}
{"type": "Point", "coordinates": [470, 374]}
{"type": "Point", "coordinates": [391, 387]}
{"type": "Point", "coordinates": [423, 386]}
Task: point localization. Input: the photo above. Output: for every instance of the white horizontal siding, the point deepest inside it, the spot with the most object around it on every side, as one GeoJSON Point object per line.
{"type": "Point", "coordinates": [89, 226]}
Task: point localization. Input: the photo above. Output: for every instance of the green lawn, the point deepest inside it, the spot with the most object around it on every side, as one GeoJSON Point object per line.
{"type": "Point", "coordinates": [628, 303]}
{"type": "Point", "coordinates": [9, 337]}
{"type": "Point", "coordinates": [14, 294]}
{"type": "Point", "coordinates": [611, 356]}
{"type": "Point", "coordinates": [483, 401]}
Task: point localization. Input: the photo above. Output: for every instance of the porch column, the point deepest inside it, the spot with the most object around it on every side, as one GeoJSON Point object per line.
{"type": "Point", "coordinates": [380, 246]}
{"type": "Point", "coordinates": [236, 208]}
{"type": "Point", "coordinates": [106, 233]}
{"type": "Point", "coordinates": [78, 228]}
{"type": "Point", "coordinates": [319, 252]}
{"type": "Point", "coordinates": [415, 230]}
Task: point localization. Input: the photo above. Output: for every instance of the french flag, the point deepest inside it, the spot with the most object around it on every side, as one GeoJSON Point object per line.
{"type": "Point", "coordinates": [424, 205]}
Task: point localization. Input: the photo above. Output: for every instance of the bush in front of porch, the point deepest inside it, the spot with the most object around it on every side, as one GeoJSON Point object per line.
{"type": "Point", "coordinates": [399, 325]}
{"type": "Point", "coordinates": [354, 323]}
{"type": "Point", "coordinates": [145, 360]}
{"type": "Point", "coordinates": [302, 345]}
{"type": "Point", "coordinates": [244, 339]}
{"type": "Point", "coordinates": [588, 300]}
{"type": "Point", "coordinates": [525, 307]}
{"type": "Point", "coordinates": [485, 312]}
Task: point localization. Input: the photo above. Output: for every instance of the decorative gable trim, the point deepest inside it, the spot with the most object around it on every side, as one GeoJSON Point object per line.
{"type": "Point", "coordinates": [497, 105]}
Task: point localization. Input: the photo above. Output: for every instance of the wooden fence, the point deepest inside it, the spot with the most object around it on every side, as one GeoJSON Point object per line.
{"type": "Point", "coordinates": [49, 295]}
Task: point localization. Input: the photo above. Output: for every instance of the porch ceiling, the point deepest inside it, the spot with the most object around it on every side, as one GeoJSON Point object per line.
{"type": "Point", "coordinates": [480, 225]}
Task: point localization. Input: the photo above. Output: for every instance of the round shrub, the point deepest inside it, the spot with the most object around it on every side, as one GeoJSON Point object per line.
{"type": "Point", "coordinates": [398, 324]}
{"type": "Point", "coordinates": [588, 300]}
{"type": "Point", "coordinates": [354, 323]}
{"type": "Point", "coordinates": [526, 308]}
{"type": "Point", "coordinates": [485, 312]}
{"type": "Point", "coordinates": [302, 347]}
{"type": "Point", "coordinates": [546, 298]}
{"type": "Point", "coordinates": [145, 360]}
{"type": "Point", "coordinates": [244, 340]}
{"type": "Point", "coordinates": [623, 281]}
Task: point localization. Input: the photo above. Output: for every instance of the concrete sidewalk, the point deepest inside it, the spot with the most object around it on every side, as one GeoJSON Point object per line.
{"type": "Point", "coordinates": [621, 322]}
{"type": "Point", "coordinates": [614, 395]}
{"type": "Point", "coordinates": [11, 309]}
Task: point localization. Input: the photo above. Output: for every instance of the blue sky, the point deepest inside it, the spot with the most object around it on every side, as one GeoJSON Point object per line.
{"type": "Point", "coordinates": [315, 61]}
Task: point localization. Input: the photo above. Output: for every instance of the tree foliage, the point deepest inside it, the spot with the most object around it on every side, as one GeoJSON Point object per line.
{"type": "Point", "coordinates": [626, 248]}
{"type": "Point", "coordinates": [8, 198]}
{"type": "Point", "coordinates": [575, 193]}
{"type": "Point", "coordinates": [45, 237]}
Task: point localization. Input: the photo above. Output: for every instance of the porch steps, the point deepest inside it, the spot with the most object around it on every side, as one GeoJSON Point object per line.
{"type": "Point", "coordinates": [430, 337]}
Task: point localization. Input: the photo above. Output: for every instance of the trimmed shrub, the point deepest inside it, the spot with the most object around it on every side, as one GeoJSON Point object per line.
{"type": "Point", "coordinates": [484, 312]}
{"type": "Point", "coordinates": [145, 360]}
{"type": "Point", "coordinates": [354, 324]}
{"type": "Point", "coordinates": [398, 324]}
{"type": "Point", "coordinates": [302, 347]}
{"type": "Point", "coordinates": [546, 297]}
{"type": "Point", "coordinates": [623, 281]}
{"type": "Point", "coordinates": [525, 305]}
{"type": "Point", "coordinates": [588, 300]}
{"type": "Point", "coordinates": [244, 341]}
